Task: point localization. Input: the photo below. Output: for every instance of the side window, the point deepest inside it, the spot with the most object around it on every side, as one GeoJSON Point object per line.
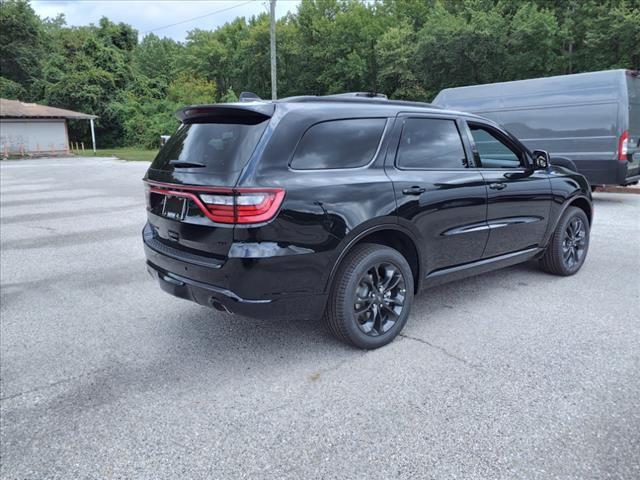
{"type": "Point", "coordinates": [339, 144]}
{"type": "Point", "coordinates": [430, 143]}
{"type": "Point", "coordinates": [493, 152]}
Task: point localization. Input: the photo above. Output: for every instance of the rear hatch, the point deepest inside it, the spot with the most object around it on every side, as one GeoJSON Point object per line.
{"type": "Point", "coordinates": [191, 195]}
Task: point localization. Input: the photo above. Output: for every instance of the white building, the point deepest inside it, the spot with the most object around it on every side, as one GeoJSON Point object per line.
{"type": "Point", "coordinates": [32, 129]}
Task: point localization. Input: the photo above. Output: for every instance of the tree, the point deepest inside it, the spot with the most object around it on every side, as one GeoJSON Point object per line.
{"type": "Point", "coordinates": [157, 57]}
{"type": "Point", "coordinates": [10, 89]}
{"type": "Point", "coordinates": [614, 39]}
{"type": "Point", "coordinates": [533, 43]}
{"type": "Point", "coordinates": [461, 49]}
{"type": "Point", "coordinates": [229, 97]}
{"type": "Point", "coordinates": [121, 36]}
{"type": "Point", "coordinates": [407, 49]}
{"type": "Point", "coordinates": [84, 70]}
{"type": "Point", "coordinates": [216, 55]}
{"type": "Point", "coordinates": [396, 52]}
{"type": "Point", "coordinates": [187, 89]}
{"type": "Point", "coordinates": [339, 40]}
{"type": "Point", "coordinates": [21, 42]}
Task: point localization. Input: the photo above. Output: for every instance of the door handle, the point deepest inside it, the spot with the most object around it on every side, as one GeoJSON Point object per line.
{"type": "Point", "coordinates": [497, 186]}
{"type": "Point", "coordinates": [415, 190]}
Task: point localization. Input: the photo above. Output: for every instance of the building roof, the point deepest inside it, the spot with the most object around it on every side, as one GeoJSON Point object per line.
{"type": "Point", "coordinates": [18, 109]}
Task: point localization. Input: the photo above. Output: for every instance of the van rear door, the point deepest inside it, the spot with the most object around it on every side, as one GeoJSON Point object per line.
{"type": "Point", "coordinates": [191, 200]}
{"type": "Point", "coordinates": [633, 132]}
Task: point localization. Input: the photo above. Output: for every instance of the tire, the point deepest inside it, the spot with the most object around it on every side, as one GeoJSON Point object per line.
{"type": "Point", "coordinates": [364, 316]}
{"type": "Point", "coordinates": [567, 249]}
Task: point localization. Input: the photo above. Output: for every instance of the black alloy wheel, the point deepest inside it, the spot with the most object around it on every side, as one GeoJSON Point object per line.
{"type": "Point", "coordinates": [574, 243]}
{"type": "Point", "coordinates": [568, 246]}
{"type": "Point", "coordinates": [379, 299]}
{"type": "Point", "coordinates": [370, 297]}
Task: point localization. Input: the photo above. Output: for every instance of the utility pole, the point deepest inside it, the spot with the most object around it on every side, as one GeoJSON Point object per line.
{"type": "Point", "coordinates": [272, 14]}
{"type": "Point", "coordinates": [93, 136]}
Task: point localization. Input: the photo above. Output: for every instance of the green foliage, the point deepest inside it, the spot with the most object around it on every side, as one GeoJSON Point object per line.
{"type": "Point", "coordinates": [21, 41]}
{"type": "Point", "coordinates": [121, 36]}
{"type": "Point", "coordinates": [458, 49]}
{"type": "Point", "coordinates": [156, 57]}
{"type": "Point", "coordinates": [11, 90]}
{"type": "Point", "coordinates": [396, 51]}
{"type": "Point", "coordinates": [146, 110]}
{"type": "Point", "coordinates": [143, 117]}
{"type": "Point", "coordinates": [187, 89]}
{"type": "Point", "coordinates": [533, 43]}
{"type": "Point", "coordinates": [614, 36]}
{"type": "Point", "coordinates": [229, 97]}
{"type": "Point", "coordinates": [339, 39]}
{"type": "Point", "coordinates": [408, 49]}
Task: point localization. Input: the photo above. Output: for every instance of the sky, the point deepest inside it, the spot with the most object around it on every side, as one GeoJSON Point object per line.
{"type": "Point", "coordinates": [151, 15]}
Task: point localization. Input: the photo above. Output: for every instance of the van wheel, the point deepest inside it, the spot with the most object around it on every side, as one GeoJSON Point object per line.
{"type": "Point", "coordinates": [569, 244]}
{"type": "Point", "coordinates": [371, 296]}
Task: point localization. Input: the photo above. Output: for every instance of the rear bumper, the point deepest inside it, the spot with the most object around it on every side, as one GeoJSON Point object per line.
{"type": "Point", "coordinates": [609, 172]}
{"type": "Point", "coordinates": [254, 288]}
{"type": "Point", "coordinates": [285, 306]}
{"type": "Point", "coordinates": [630, 180]}
{"type": "Point", "coordinates": [199, 292]}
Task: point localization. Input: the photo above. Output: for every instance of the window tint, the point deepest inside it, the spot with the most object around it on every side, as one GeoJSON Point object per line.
{"type": "Point", "coordinates": [339, 144]}
{"type": "Point", "coordinates": [221, 147]}
{"type": "Point", "coordinates": [430, 143]}
{"type": "Point", "coordinates": [492, 151]}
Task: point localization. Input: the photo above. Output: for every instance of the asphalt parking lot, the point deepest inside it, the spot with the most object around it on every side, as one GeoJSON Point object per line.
{"type": "Point", "coordinates": [513, 374]}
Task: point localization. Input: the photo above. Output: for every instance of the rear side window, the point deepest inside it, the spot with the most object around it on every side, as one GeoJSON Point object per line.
{"type": "Point", "coordinates": [339, 144]}
{"type": "Point", "coordinates": [430, 143]}
{"type": "Point", "coordinates": [219, 147]}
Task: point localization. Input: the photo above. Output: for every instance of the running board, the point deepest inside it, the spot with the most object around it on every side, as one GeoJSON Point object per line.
{"type": "Point", "coordinates": [480, 266]}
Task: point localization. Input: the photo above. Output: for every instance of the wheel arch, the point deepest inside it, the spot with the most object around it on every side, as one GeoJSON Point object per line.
{"type": "Point", "coordinates": [579, 201]}
{"type": "Point", "coordinates": [390, 235]}
{"type": "Point", "coordinates": [583, 204]}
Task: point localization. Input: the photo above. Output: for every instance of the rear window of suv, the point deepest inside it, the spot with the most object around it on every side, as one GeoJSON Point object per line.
{"type": "Point", "coordinates": [333, 144]}
{"type": "Point", "coordinates": [220, 147]}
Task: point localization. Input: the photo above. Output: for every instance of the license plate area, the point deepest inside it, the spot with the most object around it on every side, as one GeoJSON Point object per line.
{"type": "Point", "coordinates": [174, 207]}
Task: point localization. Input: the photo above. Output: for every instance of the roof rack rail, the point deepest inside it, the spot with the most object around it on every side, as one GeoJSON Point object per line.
{"type": "Point", "coordinates": [358, 94]}
{"type": "Point", "coordinates": [353, 98]}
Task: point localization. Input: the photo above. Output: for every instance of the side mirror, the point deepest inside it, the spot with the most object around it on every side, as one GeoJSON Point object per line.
{"type": "Point", "coordinates": [541, 160]}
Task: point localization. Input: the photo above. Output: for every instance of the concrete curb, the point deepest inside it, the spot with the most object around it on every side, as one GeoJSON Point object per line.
{"type": "Point", "coordinates": [618, 189]}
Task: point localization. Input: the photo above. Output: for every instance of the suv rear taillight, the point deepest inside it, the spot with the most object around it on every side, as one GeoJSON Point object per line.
{"type": "Point", "coordinates": [226, 205]}
{"type": "Point", "coordinates": [623, 146]}
{"type": "Point", "coordinates": [243, 205]}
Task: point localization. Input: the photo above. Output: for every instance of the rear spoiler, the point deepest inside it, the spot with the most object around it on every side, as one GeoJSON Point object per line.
{"type": "Point", "coordinates": [248, 112]}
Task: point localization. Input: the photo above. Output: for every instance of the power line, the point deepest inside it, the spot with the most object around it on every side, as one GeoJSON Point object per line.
{"type": "Point", "coordinates": [197, 18]}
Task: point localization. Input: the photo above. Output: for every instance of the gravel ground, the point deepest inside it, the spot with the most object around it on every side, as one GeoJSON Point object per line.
{"type": "Point", "coordinates": [513, 374]}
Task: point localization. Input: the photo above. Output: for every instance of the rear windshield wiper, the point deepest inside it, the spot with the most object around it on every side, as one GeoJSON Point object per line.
{"type": "Point", "coordinates": [185, 164]}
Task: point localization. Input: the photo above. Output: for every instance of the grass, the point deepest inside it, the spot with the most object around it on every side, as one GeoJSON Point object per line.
{"type": "Point", "coordinates": [126, 153]}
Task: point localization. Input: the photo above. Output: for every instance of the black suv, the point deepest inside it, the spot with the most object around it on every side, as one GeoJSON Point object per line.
{"type": "Point", "coordinates": [350, 205]}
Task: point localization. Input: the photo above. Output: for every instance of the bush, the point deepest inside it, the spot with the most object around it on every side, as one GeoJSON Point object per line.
{"type": "Point", "coordinates": [11, 90]}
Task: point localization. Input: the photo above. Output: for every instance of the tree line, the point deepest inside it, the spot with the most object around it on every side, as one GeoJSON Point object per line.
{"type": "Point", "coordinates": [407, 49]}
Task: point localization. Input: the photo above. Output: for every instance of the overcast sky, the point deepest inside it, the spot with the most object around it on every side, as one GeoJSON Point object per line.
{"type": "Point", "coordinates": [151, 15]}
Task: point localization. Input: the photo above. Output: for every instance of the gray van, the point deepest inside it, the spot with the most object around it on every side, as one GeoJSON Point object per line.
{"type": "Point", "coordinates": [589, 122]}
